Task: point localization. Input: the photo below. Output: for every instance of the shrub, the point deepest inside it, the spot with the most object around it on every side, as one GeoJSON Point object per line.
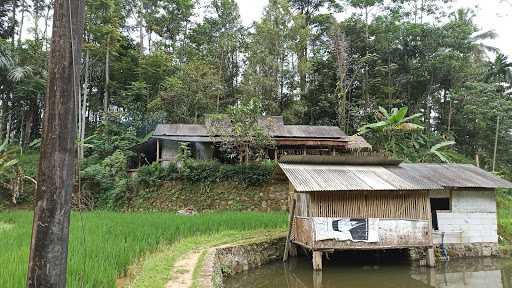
{"type": "Point", "coordinates": [155, 173]}
{"type": "Point", "coordinates": [213, 171]}
{"type": "Point", "coordinates": [201, 171]}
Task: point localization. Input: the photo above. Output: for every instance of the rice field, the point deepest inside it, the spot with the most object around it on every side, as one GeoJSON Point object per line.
{"type": "Point", "coordinates": [104, 244]}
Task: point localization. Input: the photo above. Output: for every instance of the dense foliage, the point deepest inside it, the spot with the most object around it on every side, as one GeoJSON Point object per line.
{"type": "Point", "coordinates": [148, 62]}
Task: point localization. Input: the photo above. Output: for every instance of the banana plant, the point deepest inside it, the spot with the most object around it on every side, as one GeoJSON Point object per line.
{"type": "Point", "coordinates": [7, 160]}
{"type": "Point", "coordinates": [394, 120]}
{"type": "Point", "coordinates": [442, 155]}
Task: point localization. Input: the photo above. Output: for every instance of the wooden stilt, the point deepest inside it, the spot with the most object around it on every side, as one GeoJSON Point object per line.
{"type": "Point", "coordinates": [293, 250]}
{"type": "Point", "coordinates": [317, 279]}
{"type": "Point", "coordinates": [158, 150]}
{"type": "Point", "coordinates": [317, 260]}
{"type": "Point", "coordinates": [431, 261]}
{"type": "Point", "coordinates": [290, 224]}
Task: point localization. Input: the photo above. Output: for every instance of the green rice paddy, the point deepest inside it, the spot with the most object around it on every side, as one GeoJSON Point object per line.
{"type": "Point", "coordinates": [102, 248]}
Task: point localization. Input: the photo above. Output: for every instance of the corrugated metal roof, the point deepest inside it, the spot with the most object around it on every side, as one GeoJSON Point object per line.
{"type": "Point", "coordinates": [310, 177]}
{"type": "Point", "coordinates": [180, 130]}
{"type": "Point", "coordinates": [189, 138]}
{"type": "Point", "coordinates": [456, 175]}
{"type": "Point", "coordinates": [276, 129]}
{"type": "Point", "coordinates": [306, 131]}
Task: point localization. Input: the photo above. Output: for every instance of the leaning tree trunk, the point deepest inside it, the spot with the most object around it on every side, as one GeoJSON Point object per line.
{"type": "Point", "coordinates": [50, 230]}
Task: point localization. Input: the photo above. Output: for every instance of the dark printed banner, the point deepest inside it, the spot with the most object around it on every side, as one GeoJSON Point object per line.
{"type": "Point", "coordinates": [358, 228]}
{"type": "Point", "coordinates": [342, 229]}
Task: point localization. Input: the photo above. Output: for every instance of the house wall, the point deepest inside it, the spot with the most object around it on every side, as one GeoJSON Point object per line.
{"type": "Point", "coordinates": [472, 218]}
{"type": "Point", "coordinates": [203, 150]}
{"type": "Point", "coordinates": [169, 151]}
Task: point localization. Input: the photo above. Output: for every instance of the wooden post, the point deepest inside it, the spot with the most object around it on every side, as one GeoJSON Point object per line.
{"type": "Point", "coordinates": [431, 260]}
{"type": "Point", "coordinates": [290, 224]}
{"type": "Point", "coordinates": [56, 175]}
{"type": "Point", "coordinates": [317, 279]}
{"type": "Point", "coordinates": [317, 260]}
{"type": "Point", "coordinates": [158, 150]}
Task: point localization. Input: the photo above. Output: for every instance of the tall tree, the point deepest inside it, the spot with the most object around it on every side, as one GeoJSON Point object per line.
{"type": "Point", "coordinates": [218, 41]}
{"type": "Point", "coordinates": [50, 231]}
{"type": "Point", "coordinates": [269, 73]}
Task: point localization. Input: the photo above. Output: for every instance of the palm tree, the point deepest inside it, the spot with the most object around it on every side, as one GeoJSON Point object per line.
{"type": "Point", "coordinates": [500, 69]}
{"type": "Point", "coordinates": [9, 69]}
{"type": "Point", "coordinates": [477, 40]}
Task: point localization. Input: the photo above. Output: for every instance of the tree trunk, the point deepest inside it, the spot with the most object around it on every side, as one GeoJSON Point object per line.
{"type": "Point", "coordinates": [141, 33]}
{"type": "Point", "coordinates": [50, 230]}
{"type": "Point", "coordinates": [366, 95]}
{"type": "Point", "coordinates": [23, 5]}
{"type": "Point", "coordinates": [107, 78]}
{"type": "Point", "coordinates": [5, 117]}
{"type": "Point", "coordinates": [29, 120]}
{"type": "Point", "coordinates": [83, 111]}
{"type": "Point", "coordinates": [13, 38]}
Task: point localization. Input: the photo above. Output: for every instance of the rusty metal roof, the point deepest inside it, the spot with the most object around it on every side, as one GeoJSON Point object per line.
{"type": "Point", "coordinates": [310, 177]}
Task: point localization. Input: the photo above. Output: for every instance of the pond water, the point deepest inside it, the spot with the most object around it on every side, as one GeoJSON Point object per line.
{"type": "Point", "coordinates": [379, 272]}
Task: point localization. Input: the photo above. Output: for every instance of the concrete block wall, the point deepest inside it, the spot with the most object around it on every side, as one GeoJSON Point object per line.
{"type": "Point", "coordinates": [472, 218]}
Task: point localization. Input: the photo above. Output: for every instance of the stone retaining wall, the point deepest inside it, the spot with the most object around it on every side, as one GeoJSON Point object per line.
{"type": "Point", "coordinates": [231, 259]}
{"type": "Point", "coordinates": [460, 250]}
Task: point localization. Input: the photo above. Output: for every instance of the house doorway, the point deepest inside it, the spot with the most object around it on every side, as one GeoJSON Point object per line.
{"type": "Point", "coordinates": [438, 204]}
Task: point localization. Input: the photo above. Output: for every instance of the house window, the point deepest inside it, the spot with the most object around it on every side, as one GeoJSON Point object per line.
{"type": "Point", "coordinates": [438, 204]}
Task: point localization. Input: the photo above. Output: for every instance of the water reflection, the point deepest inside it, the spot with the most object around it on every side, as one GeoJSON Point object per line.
{"type": "Point", "coordinates": [473, 273]}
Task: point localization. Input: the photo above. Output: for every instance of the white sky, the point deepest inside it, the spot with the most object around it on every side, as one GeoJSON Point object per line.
{"type": "Point", "coordinates": [490, 15]}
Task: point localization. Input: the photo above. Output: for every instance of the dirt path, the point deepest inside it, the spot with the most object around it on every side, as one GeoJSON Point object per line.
{"type": "Point", "coordinates": [182, 271]}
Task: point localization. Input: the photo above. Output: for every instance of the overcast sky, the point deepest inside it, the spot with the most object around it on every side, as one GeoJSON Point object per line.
{"type": "Point", "coordinates": [490, 14]}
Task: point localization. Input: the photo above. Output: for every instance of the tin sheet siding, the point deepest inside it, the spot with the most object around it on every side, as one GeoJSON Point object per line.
{"type": "Point", "coordinates": [472, 218]}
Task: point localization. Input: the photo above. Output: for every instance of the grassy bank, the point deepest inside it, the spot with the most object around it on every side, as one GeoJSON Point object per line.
{"type": "Point", "coordinates": [153, 269]}
{"type": "Point", "coordinates": [504, 204]}
{"type": "Point", "coordinates": [104, 244]}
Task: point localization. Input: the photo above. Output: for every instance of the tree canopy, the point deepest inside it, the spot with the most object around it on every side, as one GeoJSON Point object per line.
{"type": "Point", "coordinates": [158, 61]}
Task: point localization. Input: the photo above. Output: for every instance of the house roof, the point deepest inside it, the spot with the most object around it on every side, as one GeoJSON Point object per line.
{"type": "Point", "coordinates": [274, 125]}
{"type": "Point", "coordinates": [316, 178]}
{"type": "Point", "coordinates": [306, 131]}
{"type": "Point", "coordinates": [283, 134]}
{"type": "Point", "coordinates": [181, 130]}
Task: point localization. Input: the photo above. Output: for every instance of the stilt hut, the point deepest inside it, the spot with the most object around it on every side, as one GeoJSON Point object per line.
{"type": "Point", "coordinates": [351, 203]}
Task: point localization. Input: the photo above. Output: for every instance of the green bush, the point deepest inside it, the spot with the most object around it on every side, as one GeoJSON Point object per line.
{"type": "Point", "coordinates": [213, 171]}
{"type": "Point", "coordinates": [201, 171]}
{"type": "Point", "coordinates": [155, 173]}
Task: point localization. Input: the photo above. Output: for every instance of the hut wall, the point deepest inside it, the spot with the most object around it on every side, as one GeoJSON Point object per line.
{"type": "Point", "coordinates": [203, 150]}
{"type": "Point", "coordinates": [404, 217]}
{"type": "Point", "coordinates": [169, 151]}
{"type": "Point", "coordinates": [374, 204]}
{"type": "Point", "coordinates": [472, 218]}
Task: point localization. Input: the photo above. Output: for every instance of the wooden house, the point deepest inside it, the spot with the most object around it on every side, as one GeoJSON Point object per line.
{"type": "Point", "coordinates": [163, 145]}
{"type": "Point", "coordinates": [373, 204]}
